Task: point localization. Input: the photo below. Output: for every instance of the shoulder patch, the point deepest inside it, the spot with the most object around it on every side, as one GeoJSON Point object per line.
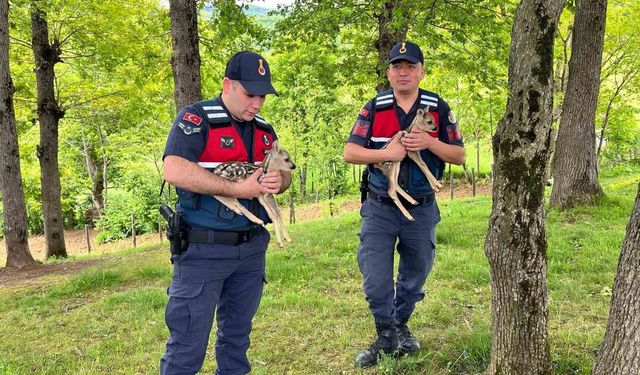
{"type": "Point", "coordinates": [192, 118]}
{"type": "Point", "coordinates": [452, 117]}
{"type": "Point", "coordinates": [429, 100]}
{"type": "Point", "coordinates": [188, 128]}
{"type": "Point", "coordinates": [215, 113]}
{"type": "Point", "coordinates": [385, 100]}
{"type": "Point", "coordinates": [261, 122]}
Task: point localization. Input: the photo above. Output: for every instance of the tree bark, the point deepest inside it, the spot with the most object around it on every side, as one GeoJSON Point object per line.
{"type": "Point", "coordinates": [185, 60]}
{"type": "Point", "coordinates": [620, 351]}
{"type": "Point", "coordinates": [516, 244]}
{"type": "Point", "coordinates": [97, 181]}
{"type": "Point", "coordinates": [46, 55]}
{"type": "Point", "coordinates": [388, 36]}
{"type": "Point", "coordinates": [575, 167]}
{"type": "Point", "coordinates": [15, 212]}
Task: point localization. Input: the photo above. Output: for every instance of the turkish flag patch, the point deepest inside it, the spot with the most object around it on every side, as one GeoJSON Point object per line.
{"type": "Point", "coordinates": [362, 128]}
{"type": "Point", "coordinates": [194, 119]}
{"type": "Point", "coordinates": [453, 132]}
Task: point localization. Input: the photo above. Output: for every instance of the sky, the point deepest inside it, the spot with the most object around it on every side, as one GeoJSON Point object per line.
{"type": "Point", "coordinates": [270, 3]}
{"type": "Point", "coordinates": [262, 3]}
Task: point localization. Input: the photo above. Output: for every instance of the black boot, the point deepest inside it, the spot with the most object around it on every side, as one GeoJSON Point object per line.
{"type": "Point", "coordinates": [407, 343]}
{"type": "Point", "coordinates": [387, 343]}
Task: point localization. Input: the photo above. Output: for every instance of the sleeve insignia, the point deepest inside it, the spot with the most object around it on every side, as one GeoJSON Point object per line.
{"type": "Point", "coordinates": [453, 132]}
{"type": "Point", "coordinates": [194, 119]}
{"type": "Point", "coordinates": [364, 112]}
{"type": "Point", "coordinates": [188, 129]}
{"type": "Point", "coordinates": [452, 117]}
{"type": "Point", "coordinates": [361, 128]}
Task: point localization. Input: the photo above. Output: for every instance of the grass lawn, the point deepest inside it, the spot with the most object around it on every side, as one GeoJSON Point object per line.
{"type": "Point", "coordinates": [313, 318]}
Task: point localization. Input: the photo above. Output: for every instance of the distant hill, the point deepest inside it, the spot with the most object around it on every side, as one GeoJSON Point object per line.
{"type": "Point", "coordinates": [259, 13]}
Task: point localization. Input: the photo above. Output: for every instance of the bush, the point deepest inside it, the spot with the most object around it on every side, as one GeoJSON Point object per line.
{"type": "Point", "coordinates": [137, 194]}
{"type": "Point", "coordinates": [115, 222]}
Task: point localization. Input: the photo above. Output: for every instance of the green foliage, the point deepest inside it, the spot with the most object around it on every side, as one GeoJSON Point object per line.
{"type": "Point", "coordinates": [115, 84]}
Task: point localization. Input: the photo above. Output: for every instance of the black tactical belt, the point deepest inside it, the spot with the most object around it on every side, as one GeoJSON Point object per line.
{"type": "Point", "coordinates": [427, 199]}
{"type": "Point", "coordinates": [212, 237]}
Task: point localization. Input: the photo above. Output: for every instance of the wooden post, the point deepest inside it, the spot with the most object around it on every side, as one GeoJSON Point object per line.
{"type": "Point", "coordinates": [133, 229]}
{"type": "Point", "coordinates": [292, 211]}
{"type": "Point", "coordinates": [86, 235]}
{"type": "Point", "coordinates": [160, 229]}
{"type": "Point", "coordinates": [473, 182]}
{"type": "Point", "coordinates": [451, 183]}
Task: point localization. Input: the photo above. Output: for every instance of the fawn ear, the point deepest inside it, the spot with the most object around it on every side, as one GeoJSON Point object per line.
{"type": "Point", "coordinates": [276, 146]}
{"type": "Point", "coordinates": [420, 112]}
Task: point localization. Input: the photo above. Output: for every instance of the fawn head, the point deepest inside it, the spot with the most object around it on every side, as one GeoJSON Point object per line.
{"type": "Point", "coordinates": [424, 121]}
{"type": "Point", "coordinates": [278, 159]}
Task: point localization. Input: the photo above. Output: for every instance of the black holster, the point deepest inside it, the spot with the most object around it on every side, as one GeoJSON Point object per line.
{"type": "Point", "coordinates": [364, 185]}
{"type": "Point", "coordinates": [176, 233]}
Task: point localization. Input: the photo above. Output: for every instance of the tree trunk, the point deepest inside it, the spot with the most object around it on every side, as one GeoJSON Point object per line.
{"type": "Point", "coordinates": [97, 180]}
{"type": "Point", "coordinates": [15, 212]}
{"type": "Point", "coordinates": [516, 244]}
{"type": "Point", "coordinates": [49, 114]}
{"type": "Point", "coordinates": [303, 181]}
{"type": "Point", "coordinates": [388, 36]}
{"type": "Point", "coordinates": [575, 167]}
{"type": "Point", "coordinates": [185, 60]}
{"type": "Point", "coordinates": [620, 352]}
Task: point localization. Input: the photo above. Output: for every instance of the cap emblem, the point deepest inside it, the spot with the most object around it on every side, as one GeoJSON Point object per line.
{"type": "Point", "coordinates": [261, 70]}
{"type": "Point", "coordinates": [402, 49]}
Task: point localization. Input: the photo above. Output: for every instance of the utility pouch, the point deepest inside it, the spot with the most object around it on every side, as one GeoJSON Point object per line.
{"type": "Point", "coordinates": [176, 231]}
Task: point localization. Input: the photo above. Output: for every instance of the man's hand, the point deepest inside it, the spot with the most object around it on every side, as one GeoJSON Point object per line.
{"type": "Point", "coordinates": [418, 140]}
{"type": "Point", "coordinates": [271, 182]}
{"type": "Point", "coordinates": [250, 187]}
{"type": "Point", "coordinates": [395, 150]}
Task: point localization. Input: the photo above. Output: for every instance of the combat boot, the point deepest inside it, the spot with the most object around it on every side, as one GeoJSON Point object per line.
{"type": "Point", "coordinates": [407, 343]}
{"type": "Point", "coordinates": [387, 343]}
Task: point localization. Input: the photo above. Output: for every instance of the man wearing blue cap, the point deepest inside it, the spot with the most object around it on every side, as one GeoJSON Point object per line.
{"type": "Point", "coordinates": [222, 269]}
{"type": "Point", "coordinates": [379, 122]}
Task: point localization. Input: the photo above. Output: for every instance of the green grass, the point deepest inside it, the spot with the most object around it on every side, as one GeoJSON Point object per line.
{"type": "Point", "coordinates": [313, 318]}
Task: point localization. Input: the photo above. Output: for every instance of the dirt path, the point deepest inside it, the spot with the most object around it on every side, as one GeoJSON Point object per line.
{"type": "Point", "coordinates": [76, 240]}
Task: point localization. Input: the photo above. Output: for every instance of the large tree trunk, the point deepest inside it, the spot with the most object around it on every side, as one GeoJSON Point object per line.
{"type": "Point", "coordinates": [575, 167]}
{"type": "Point", "coordinates": [15, 212]}
{"type": "Point", "coordinates": [516, 244]}
{"type": "Point", "coordinates": [620, 352]}
{"type": "Point", "coordinates": [49, 114]}
{"type": "Point", "coordinates": [185, 60]}
{"type": "Point", "coordinates": [388, 35]}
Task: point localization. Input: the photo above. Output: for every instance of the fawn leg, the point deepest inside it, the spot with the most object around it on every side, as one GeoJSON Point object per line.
{"type": "Point", "coordinates": [230, 203]}
{"type": "Point", "coordinates": [393, 189]}
{"type": "Point", "coordinates": [435, 184]}
{"type": "Point", "coordinates": [273, 215]}
{"type": "Point", "coordinates": [271, 201]}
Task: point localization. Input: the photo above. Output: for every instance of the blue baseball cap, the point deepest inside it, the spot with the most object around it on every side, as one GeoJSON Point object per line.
{"type": "Point", "coordinates": [252, 71]}
{"type": "Point", "coordinates": [406, 51]}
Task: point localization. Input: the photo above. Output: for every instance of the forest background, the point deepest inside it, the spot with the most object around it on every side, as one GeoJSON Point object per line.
{"type": "Point", "coordinates": [115, 86]}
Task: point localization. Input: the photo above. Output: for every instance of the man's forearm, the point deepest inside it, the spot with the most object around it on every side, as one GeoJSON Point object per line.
{"type": "Point", "coordinates": [356, 154]}
{"type": "Point", "coordinates": [189, 176]}
{"type": "Point", "coordinates": [448, 153]}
